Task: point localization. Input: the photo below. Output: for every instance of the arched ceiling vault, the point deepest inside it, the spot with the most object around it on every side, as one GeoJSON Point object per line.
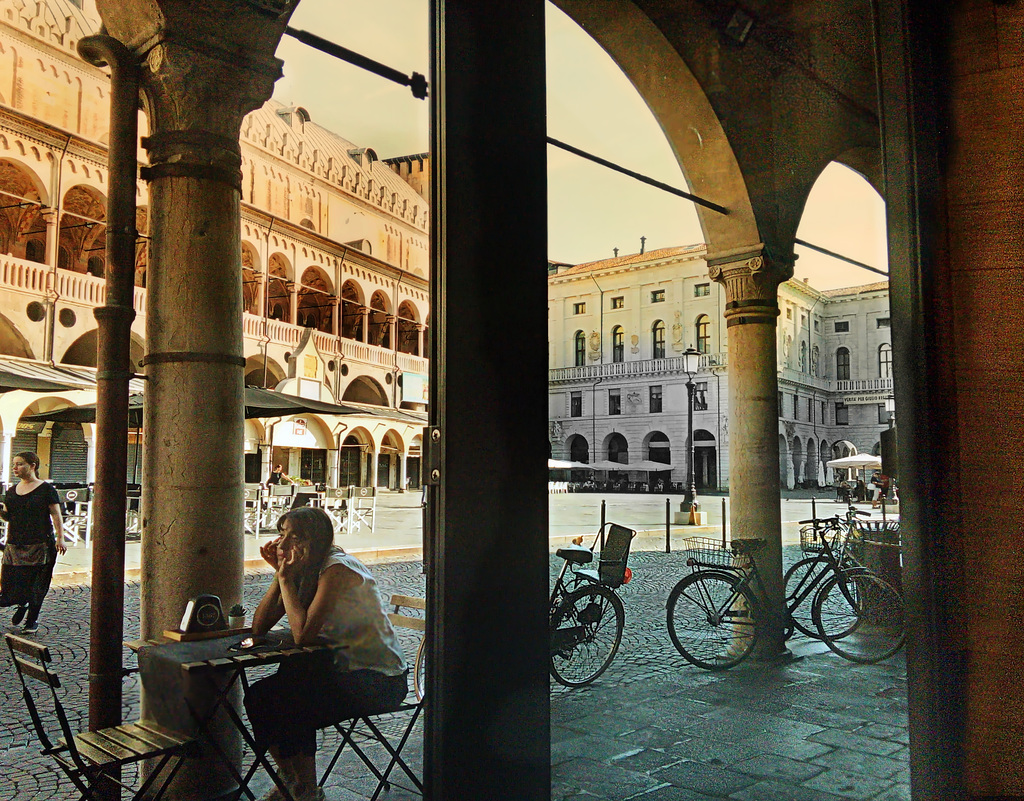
{"type": "Point", "coordinates": [753, 124]}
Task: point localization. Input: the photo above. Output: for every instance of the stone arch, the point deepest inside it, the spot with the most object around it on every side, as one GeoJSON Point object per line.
{"type": "Point", "coordinates": [363, 389]}
{"type": "Point", "coordinates": [82, 233]}
{"type": "Point", "coordinates": [681, 107]}
{"type": "Point", "coordinates": [616, 448]}
{"type": "Point", "coordinates": [797, 449]}
{"type": "Point", "coordinates": [263, 372]}
{"type": "Point", "coordinates": [352, 310]}
{"type": "Point", "coordinates": [658, 448]}
{"type": "Point", "coordinates": [279, 297]}
{"type": "Point", "coordinates": [252, 279]}
{"type": "Point", "coordinates": [354, 458]}
{"type": "Point", "coordinates": [141, 245]}
{"type": "Point", "coordinates": [379, 322]}
{"type": "Point", "coordinates": [408, 328]}
{"type": "Point", "coordinates": [315, 301]}
{"type": "Point", "coordinates": [578, 448]}
{"type": "Point", "coordinates": [22, 227]}
{"type": "Point", "coordinates": [811, 462]}
{"type": "Point", "coordinates": [842, 448]}
{"type": "Point", "coordinates": [12, 341]}
{"type": "Point", "coordinates": [83, 350]}
{"type": "Point", "coordinates": [784, 462]}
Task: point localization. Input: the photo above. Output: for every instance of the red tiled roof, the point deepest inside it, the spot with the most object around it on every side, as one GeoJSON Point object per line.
{"type": "Point", "coordinates": [633, 258]}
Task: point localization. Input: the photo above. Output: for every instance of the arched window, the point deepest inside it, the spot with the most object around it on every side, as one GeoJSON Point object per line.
{"type": "Point", "coordinates": [885, 360]}
{"type": "Point", "coordinates": [618, 344]}
{"type": "Point", "coordinates": [703, 331]}
{"type": "Point", "coordinates": [579, 348]}
{"type": "Point", "coordinates": [34, 250]}
{"type": "Point", "coordinates": [843, 364]}
{"type": "Point", "coordinates": [95, 266]}
{"type": "Point", "coordinates": [658, 340]}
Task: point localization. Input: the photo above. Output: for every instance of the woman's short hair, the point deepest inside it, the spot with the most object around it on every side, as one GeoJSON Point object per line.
{"type": "Point", "coordinates": [30, 457]}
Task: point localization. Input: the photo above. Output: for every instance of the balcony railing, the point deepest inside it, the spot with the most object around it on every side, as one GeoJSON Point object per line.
{"type": "Point", "coordinates": [865, 385]}
{"type": "Point", "coordinates": [805, 379]}
{"type": "Point", "coordinates": [69, 287]}
{"type": "Point", "coordinates": [673, 365]}
{"type": "Point", "coordinates": [280, 333]}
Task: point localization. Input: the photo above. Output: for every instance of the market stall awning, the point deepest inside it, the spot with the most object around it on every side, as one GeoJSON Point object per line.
{"type": "Point", "coordinates": [35, 377]}
{"type": "Point", "coordinates": [856, 461]}
{"type": "Point", "coordinates": [259, 402]}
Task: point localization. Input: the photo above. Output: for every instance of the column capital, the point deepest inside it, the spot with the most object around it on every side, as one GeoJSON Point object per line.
{"type": "Point", "coordinates": [751, 282]}
{"type": "Point", "coordinates": [194, 120]}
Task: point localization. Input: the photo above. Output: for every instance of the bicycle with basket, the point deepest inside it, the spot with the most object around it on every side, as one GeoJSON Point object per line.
{"type": "Point", "coordinates": [716, 612]}
{"type": "Point", "coordinates": [585, 616]}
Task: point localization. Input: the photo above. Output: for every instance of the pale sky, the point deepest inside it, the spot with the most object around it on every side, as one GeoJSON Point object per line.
{"type": "Point", "coordinates": [592, 105]}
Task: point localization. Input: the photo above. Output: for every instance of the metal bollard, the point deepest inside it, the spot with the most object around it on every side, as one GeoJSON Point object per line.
{"type": "Point", "coordinates": [601, 536]}
{"type": "Point", "coordinates": [814, 514]}
{"type": "Point", "coordinates": [668, 530]}
{"type": "Point", "coordinates": [724, 520]}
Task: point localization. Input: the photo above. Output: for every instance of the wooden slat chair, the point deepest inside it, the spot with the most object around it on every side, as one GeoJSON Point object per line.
{"type": "Point", "coordinates": [361, 731]}
{"type": "Point", "coordinates": [88, 758]}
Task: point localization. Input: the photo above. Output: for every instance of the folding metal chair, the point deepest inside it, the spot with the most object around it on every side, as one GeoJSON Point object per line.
{"type": "Point", "coordinates": [361, 731]}
{"type": "Point", "coordinates": [253, 515]}
{"type": "Point", "coordinates": [336, 505]}
{"type": "Point", "coordinates": [93, 758]}
{"type": "Point", "coordinates": [77, 515]}
{"type": "Point", "coordinates": [362, 503]}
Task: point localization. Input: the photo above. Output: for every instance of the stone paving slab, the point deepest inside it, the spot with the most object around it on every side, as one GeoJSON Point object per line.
{"type": "Point", "coordinates": [653, 727]}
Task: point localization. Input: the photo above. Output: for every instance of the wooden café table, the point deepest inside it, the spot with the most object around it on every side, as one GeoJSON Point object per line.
{"type": "Point", "coordinates": [193, 686]}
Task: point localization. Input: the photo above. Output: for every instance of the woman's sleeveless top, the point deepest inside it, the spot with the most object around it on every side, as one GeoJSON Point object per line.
{"type": "Point", "coordinates": [357, 622]}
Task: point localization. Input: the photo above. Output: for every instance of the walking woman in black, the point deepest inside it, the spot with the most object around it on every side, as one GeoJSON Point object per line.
{"type": "Point", "coordinates": [35, 535]}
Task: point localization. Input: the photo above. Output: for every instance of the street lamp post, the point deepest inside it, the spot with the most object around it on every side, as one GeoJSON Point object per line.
{"type": "Point", "coordinates": [691, 363]}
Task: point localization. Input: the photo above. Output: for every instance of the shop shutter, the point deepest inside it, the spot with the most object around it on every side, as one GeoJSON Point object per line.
{"type": "Point", "coordinates": [69, 455]}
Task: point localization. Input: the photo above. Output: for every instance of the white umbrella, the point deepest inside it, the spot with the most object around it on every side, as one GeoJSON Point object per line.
{"type": "Point", "coordinates": [606, 465]}
{"type": "Point", "coordinates": [648, 466]}
{"type": "Point", "coordinates": [821, 474]}
{"type": "Point", "coordinates": [562, 464]}
{"type": "Point", "coordinates": [856, 461]}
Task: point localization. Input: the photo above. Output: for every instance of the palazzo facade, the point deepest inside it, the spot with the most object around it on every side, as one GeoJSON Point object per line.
{"type": "Point", "coordinates": [334, 264]}
{"type": "Point", "coordinates": [618, 328]}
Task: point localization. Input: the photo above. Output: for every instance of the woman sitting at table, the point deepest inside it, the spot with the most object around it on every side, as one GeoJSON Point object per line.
{"type": "Point", "coordinates": [327, 596]}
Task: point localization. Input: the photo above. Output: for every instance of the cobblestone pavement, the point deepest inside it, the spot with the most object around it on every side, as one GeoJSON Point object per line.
{"type": "Point", "coordinates": [653, 727]}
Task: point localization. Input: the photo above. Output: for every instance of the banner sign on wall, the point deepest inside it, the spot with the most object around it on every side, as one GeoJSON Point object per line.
{"type": "Point", "coordinates": [415, 387]}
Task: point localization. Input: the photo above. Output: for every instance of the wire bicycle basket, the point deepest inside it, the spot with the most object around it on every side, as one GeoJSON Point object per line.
{"type": "Point", "coordinates": [707, 552]}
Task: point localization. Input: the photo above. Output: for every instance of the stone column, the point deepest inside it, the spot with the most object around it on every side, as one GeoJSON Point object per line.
{"type": "Point", "coordinates": [6, 456]}
{"type": "Point", "coordinates": [43, 451]}
{"type": "Point", "coordinates": [751, 291]}
{"type": "Point", "coordinates": [392, 323]}
{"type": "Point", "coordinates": [420, 337]}
{"type": "Point", "coordinates": [364, 312]}
{"type": "Point", "coordinates": [403, 470]}
{"type": "Point", "coordinates": [336, 316]}
{"type": "Point", "coordinates": [52, 230]}
{"type": "Point", "coordinates": [196, 98]}
{"type": "Point", "coordinates": [293, 302]}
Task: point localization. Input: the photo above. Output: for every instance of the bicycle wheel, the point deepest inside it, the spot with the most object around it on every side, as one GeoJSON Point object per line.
{"type": "Point", "coordinates": [801, 582]}
{"type": "Point", "coordinates": [711, 621]}
{"type": "Point", "coordinates": [586, 630]}
{"type": "Point", "coordinates": [419, 671]}
{"type": "Point", "coordinates": [859, 616]}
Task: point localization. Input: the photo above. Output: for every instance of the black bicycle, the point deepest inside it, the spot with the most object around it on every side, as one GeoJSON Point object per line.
{"type": "Point", "coordinates": [586, 617]}
{"type": "Point", "coordinates": [714, 613]}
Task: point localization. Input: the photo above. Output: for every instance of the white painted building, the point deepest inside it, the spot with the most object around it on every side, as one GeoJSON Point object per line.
{"type": "Point", "coordinates": [617, 329]}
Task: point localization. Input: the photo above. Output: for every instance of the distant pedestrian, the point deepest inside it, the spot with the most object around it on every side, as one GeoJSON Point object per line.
{"type": "Point", "coordinates": [278, 476]}
{"type": "Point", "coordinates": [883, 490]}
{"type": "Point", "coordinates": [35, 535]}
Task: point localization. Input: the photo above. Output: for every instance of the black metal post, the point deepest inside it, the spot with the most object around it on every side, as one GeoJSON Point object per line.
{"type": "Point", "coordinates": [114, 371]}
{"type": "Point", "coordinates": [668, 529]}
{"type": "Point", "coordinates": [601, 534]}
{"type": "Point", "coordinates": [689, 445]}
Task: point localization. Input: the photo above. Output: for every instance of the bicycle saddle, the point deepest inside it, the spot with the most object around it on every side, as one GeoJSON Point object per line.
{"type": "Point", "coordinates": [576, 554]}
